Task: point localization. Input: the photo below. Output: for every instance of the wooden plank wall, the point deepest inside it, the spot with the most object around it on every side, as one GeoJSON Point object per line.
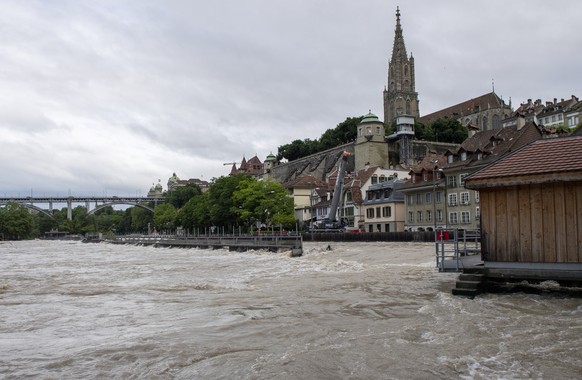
{"type": "Point", "coordinates": [533, 223]}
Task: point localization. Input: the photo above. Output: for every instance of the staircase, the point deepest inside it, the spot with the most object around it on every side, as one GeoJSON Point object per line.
{"type": "Point", "coordinates": [469, 284]}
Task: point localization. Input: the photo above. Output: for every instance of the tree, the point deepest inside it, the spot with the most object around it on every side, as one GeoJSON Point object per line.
{"type": "Point", "coordinates": [16, 222]}
{"type": "Point", "coordinates": [195, 214]}
{"type": "Point", "coordinates": [266, 201]}
{"type": "Point", "coordinates": [343, 133]}
{"type": "Point", "coordinates": [165, 217]}
{"type": "Point", "coordinates": [141, 219]}
{"type": "Point", "coordinates": [220, 202]}
{"type": "Point", "coordinates": [442, 130]}
{"type": "Point", "coordinates": [179, 196]}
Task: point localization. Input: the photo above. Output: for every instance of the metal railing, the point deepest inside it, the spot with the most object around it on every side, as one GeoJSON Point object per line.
{"type": "Point", "coordinates": [453, 244]}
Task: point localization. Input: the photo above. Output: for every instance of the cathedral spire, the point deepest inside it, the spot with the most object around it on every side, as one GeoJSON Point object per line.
{"type": "Point", "coordinates": [400, 96]}
{"type": "Point", "coordinates": [398, 49]}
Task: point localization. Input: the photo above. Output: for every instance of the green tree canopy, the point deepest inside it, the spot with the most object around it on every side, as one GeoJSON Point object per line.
{"type": "Point", "coordinates": [442, 130]}
{"type": "Point", "coordinates": [195, 214]}
{"type": "Point", "coordinates": [220, 202]}
{"type": "Point", "coordinates": [179, 196]}
{"type": "Point", "coordinates": [343, 133]}
{"type": "Point", "coordinates": [267, 202]}
{"type": "Point", "coordinates": [165, 217]}
{"type": "Point", "coordinates": [16, 222]}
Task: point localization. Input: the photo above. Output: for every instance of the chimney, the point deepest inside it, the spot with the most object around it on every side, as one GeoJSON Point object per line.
{"type": "Point", "coordinates": [555, 100]}
{"type": "Point", "coordinates": [520, 122]}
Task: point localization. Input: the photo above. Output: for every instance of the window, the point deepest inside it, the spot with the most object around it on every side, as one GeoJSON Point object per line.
{"type": "Point", "coordinates": [374, 179]}
{"type": "Point", "coordinates": [419, 216]}
{"type": "Point", "coordinates": [382, 178]}
{"type": "Point", "coordinates": [410, 217]}
{"type": "Point", "coordinates": [360, 132]}
{"type": "Point", "coordinates": [476, 197]}
{"type": "Point", "coordinates": [477, 213]}
{"type": "Point", "coordinates": [440, 216]}
{"type": "Point", "coordinates": [386, 211]}
{"type": "Point", "coordinates": [348, 196]}
{"type": "Point", "coordinates": [410, 200]}
{"type": "Point", "coordinates": [428, 198]}
{"type": "Point", "coordinates": [453, 199]}
{"type": "Point", "coordinates": [438, 198]}
{"type": "Point", "coordinates": [429, 216]}
{"type": "Point", "coordinates": [465, 198]}
{"type": "Point", "coordinates": [419, 198]}
{"type": "Point", "coordinates": [370, 213]}
{"type": "Point", "coordinates": [349, 211]}
{"type": "Point", "coordinates": [463, 156]}
{"type": "Point", "coordinates": [450, 159]}
{"type": "Point", "coordinates": [465, 217]}
{"type": "Point", "coordinates": [377, 130]}
{"type": "Point", "coordinates": [453, 218]}
{"type": "Point", "coordinates": [452, 181]}
{"type": "Point", "coordinates": [378, 212]}
{"type": "Point", "coordinates": [462, 178]}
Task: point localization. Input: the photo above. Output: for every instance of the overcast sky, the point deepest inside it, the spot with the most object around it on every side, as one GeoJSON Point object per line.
{"type": "Point", "coordinates": [107, 97]}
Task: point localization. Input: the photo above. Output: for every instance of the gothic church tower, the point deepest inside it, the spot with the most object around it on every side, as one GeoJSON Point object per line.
{"type": "Point", "coordinates": [400, 97]}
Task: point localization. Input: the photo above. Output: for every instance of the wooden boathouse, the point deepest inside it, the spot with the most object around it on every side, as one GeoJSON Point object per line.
{"type": "Point", "coordinates": [531, 213]}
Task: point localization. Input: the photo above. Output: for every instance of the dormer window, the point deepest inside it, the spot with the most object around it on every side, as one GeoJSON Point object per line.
{"type": "Point", "coordinates": [450, 159]}
{"type": "Point", "coordinates": [463, 156]}
{"type": "Point", "coordinates": [479, 156]}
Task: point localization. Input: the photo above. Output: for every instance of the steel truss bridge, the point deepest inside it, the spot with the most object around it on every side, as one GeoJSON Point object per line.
{"type": "Point", "coordinates": [34, 203]}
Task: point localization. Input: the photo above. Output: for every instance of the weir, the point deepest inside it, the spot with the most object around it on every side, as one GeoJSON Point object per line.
{"type": "Point", "coordinates": [273, 243]}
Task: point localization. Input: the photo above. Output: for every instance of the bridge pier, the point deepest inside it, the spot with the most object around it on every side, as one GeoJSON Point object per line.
{"type": "Point", "coordinates": [70, 208]}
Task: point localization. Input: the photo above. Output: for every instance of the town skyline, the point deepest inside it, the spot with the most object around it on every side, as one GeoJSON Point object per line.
{"type": "Point", "coordinates": [109, 99]}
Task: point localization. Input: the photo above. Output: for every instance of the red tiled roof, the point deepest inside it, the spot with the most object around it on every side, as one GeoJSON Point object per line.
{"type": "Point", "coordinates": [547, 156]}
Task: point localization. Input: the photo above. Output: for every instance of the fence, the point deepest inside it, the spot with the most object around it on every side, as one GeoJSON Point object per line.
{"type": "Point", "coordinates": [420, 236]}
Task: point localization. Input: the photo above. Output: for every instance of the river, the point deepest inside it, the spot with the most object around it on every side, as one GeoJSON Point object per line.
{"type": "Point", "coordinates": [70, 310]}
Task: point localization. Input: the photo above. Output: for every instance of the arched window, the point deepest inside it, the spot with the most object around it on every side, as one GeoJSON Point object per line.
{"type": "Point", "coordinates": [485, 123]}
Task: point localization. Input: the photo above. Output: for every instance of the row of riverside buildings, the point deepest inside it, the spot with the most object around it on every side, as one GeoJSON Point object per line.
{"type": "Point", "coordinates": [396, 183]}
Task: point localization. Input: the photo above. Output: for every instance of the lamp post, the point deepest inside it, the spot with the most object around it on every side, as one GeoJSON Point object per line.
{"type": "Point", "coordinates": [434, 215]}
{"type": "Point", "coordinates": [435, 171]}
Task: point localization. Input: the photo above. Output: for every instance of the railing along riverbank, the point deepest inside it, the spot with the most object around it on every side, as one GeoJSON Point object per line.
{"type": "Point", "coordinates": [273, 243]}
{"type": "Point", "coordinates": [420, 236]}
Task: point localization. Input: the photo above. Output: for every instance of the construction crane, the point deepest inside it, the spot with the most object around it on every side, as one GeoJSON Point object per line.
{"type": "Point", "coordinates": [229, 163]}
{"type": "Point", "coordinates": [330, 223]}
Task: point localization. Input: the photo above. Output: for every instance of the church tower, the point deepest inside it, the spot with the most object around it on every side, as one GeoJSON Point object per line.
{"type": "Point", "coordinates": [400, 97]}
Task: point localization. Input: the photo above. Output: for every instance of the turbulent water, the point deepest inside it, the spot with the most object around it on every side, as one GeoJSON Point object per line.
{"type": "Point", "coordinates": [358, 311]}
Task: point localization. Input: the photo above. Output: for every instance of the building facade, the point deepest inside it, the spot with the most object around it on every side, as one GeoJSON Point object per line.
{"type": "Point", "coordinates": [383, 207]}
{"type": "Point", "coordinates": [436, 195]}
